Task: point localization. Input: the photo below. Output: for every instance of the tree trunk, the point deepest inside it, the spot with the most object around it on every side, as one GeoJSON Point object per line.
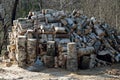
{"type": "Point", "coordinates": [14, 11]}
{"type": "Point", "coordinates": [40, 4]}
{"type": "Point", "coordinates": [4, 40]}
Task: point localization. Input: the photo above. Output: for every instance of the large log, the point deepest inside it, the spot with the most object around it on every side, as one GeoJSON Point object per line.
{"type": "Point", "coordinates": [64, 22]}
{"type": "Point", "coordinates": [59, 30]}
{"type": "Point", "coordinates": [29, 33]}
{"type": "Point", "coordinates": [22, 54]}
{"type": "Point", "coordinates": [48, 11]}
{"type": "Point", "coordinates": [50, 37]}
{"type": "Point", "coordinates": [99, 31]}
{"type": "Point", "coordinates": [51, 48]}
{"type": "Point", "coordinates": [61, 36]}
{"type": "Point", "coordinates": [84, 62]}
{"type": "Point", "coordinates": [48, 61]}
{"type": "Point", "coordinates": [64, 41]}
{"type": "Point", "coordinates": [31, 50]}
{"type": "Point", "coordinates": [72, 63]}
{"type": "Point", "coordinates": [72, 50]}
{"type": "Point", "coordinates": [11, 49]}
{"type": "Point", "coordinates": [86, 51]}
{"type": "Point", "coordinates": [21, 42]}
{"type": "Point", "coordinates": [62, 60]}
{"type": "Point", "coordinates": [62, 48]}
{"type": "Point", "coordinates": [22, 58]}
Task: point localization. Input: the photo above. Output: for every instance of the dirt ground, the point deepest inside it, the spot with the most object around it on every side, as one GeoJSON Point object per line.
{"type": "Point", "coordinates": [101, 73]}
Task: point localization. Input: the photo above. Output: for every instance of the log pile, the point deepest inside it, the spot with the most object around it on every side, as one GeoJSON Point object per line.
{"type": "Point", "coordinates": [61, 40]}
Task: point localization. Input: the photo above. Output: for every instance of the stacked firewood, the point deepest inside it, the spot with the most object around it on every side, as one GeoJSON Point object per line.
{"type": "Point", "coordinates": [68, 41]}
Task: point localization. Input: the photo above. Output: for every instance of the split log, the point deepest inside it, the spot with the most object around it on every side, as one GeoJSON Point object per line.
{"type": "Point", "coordinates": [87, 31]}
{"type": "Point", "coordinates": [97, 45]}
{"type": "Point", "coordinates": [84, 62]}
{"type": "Point", "coordinates": [39, 17]}
{"type": "Point", "coordinates": [99, 31]}
{"type": "Point", "coordinates": [12, 55]}
{"type": "Point", "coordinates": [117, 58]}
{"type": "Point", "coordinates": [8, 64]}
{"type": "Point", "coordinates": [63, 49]}
{"type": "Point", "coordinates": [106, 55]}
{"type": "Point", "coordinates": [74, 26]}
{"type": "Point", "coordinates": [102, 62]}
{"type": "Point", "coordinates": [10, 35]}
{"type": "Point", "coordinates": [118, 37]}
{"type": "Point", "coordinates": [85, 51]}
{"type": "Point", "coordinates": [64, 41]}
{"type": "Point", "coordinates": [22, 54]}
{"type": "Point", "coordinates": [92, 61]}
{"type": "Point", "coordinates": [29, 33]}
{"type": "Point", "coordinates": [48, 11]}
{"type": "Point", "coordinates": [59, 30]}
{"type": "Point", "coordinates": [51, 48]}
{"type": "Point", "coordinates": [49, 61]}
{"type": "Point", "coordinates": [5, 56]}
{"type": "Point", "coordinates": [70, 21]}
{"type": "Point", "coordinates": [22, 58]}
{"type": "Point", "coordinates": [61, 35]}
{"type": "Point", "coordinates": [11, 48]}
{"type": "Point", "coordinates": [62, 60]}
{"type": "Point", "coordinates": [72, 50]}
{"type": "Point", "coordinates": [15, 22]}
{"type": "Point", "coordinates": [24, 24]}
{"type": "Point", "coordinates": [64, 22]}
{"type": "Point", "coordinates": [31, 50]}
{"type": "Point", "coordinates": [44, 37]}
{"type": "Point", "coordinates": [72, 63]}
{"type": "Point", "coordinates": [50, 37]}
{"type": "Point", "coordinates": [21, 42]}
{"type": "Point", "coordinates": [107, 45]}
{"type": "Point", "coordinates": [51, 19]}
